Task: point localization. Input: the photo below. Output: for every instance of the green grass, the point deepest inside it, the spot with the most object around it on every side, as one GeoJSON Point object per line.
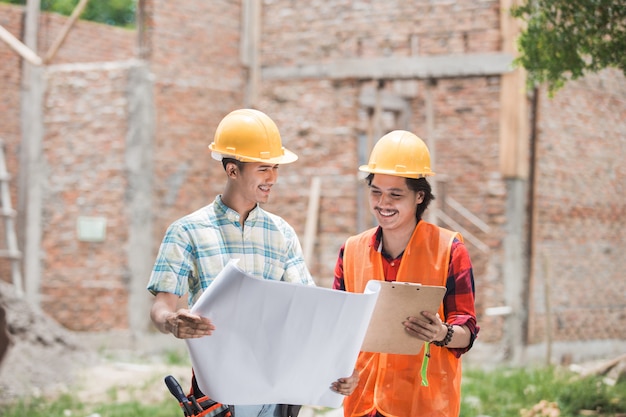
{"type": "Point", "coordinates": [503, 392]}
{"type": "Point", "coordinates": [67, 406]}
{"type": "Point", "coordinates": [506, 391]}
{"type": "Point", "coordinates": [42, 408]}
{"type": "Point", "coordinates": [168, 408]}
{"type": "Point", "coordinates": [177, 357]}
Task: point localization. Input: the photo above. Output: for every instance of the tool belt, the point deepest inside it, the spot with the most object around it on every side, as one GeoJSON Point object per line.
{"type": "Point", "coordinates": [210, 408]}
{"type": "Point", "coordinates": [202, 406]}
{"type": "Point", "coordinates": [197, 404]}
{"type": "Point", "coordinates": [206, 407]}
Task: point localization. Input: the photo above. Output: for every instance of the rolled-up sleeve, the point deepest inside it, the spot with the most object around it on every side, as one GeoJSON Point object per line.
{"type": "Point", "coordinates": [459, 301]}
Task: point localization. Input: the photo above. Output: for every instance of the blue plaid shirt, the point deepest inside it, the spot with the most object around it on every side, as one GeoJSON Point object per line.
{"type": "Point", "coordinates": [198, 246]}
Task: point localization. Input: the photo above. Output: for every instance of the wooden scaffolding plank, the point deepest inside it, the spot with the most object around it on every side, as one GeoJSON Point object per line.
{"type": "Point", "coordinates": [8, 215]}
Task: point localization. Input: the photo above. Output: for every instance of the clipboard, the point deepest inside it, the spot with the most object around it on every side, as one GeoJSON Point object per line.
{"type": "Point", "coordinates": [397, 301]}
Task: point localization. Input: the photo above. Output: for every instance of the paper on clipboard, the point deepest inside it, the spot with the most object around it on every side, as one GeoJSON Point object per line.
{"type": "Point", "coordinates": [397, 301]}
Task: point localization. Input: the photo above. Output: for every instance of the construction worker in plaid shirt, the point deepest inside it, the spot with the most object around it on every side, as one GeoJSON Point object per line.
{"type": "Point", "coordinates": [406, 248]}
{"type": "Point", "coordinates": [198, 246]}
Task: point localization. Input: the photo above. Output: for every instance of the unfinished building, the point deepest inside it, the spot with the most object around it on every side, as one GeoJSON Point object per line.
{"type": "Point", "coordinates": [116, 149]}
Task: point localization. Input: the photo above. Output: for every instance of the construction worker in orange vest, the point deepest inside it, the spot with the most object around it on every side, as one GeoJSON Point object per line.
{"type": "Point", "coordinates": [404, 247]}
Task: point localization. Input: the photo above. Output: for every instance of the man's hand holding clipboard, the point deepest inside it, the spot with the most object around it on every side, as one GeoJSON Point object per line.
{"type": "Point", "coordinates": [396, 302]}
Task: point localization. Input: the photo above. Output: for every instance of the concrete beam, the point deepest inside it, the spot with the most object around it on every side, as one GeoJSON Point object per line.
{"type": "Point", "coordinates": [388, 101]}
{"type": "Point", "coordinates": [414, 67]}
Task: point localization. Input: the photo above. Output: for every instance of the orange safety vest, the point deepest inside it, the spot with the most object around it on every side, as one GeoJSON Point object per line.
{"type": "Point", "coordinates": [391, 383]}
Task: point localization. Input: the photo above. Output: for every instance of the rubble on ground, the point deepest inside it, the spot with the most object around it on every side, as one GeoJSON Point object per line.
{"type": "Point", "coordinates": [612, 370]}
{"type": "Point", "coordinates": [42, 355]}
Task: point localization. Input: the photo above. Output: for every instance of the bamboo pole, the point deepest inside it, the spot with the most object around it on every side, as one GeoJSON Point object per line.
{"type": "Point", "coordinates": [80, 7]}
{"type": "Point", "coordinates": [22, 50]}
{"type": "Point", "coordinates": [310, 233]}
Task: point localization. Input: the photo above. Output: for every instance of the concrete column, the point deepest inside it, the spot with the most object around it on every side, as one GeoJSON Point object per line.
{"type": "Point", "coordinates": [139, 166]}
{"type": "Point", "coordinates": [514, 166]}
{"type": "Point", "coordinates": [31, 161]}
{"type": "Point", "coordinates": [31, 175]}
{"type": "Point", "coordinates": [515, 271]}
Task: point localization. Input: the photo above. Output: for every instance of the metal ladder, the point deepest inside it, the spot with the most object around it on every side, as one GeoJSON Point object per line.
{"type": "Point", "coordinates": [8, 215]}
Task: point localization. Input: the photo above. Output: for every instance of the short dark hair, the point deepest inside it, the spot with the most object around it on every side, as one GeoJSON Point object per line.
{"type": "Point", "coordinates": [238, 163]}
{"type": "Point", "coordinates": [415, 184]}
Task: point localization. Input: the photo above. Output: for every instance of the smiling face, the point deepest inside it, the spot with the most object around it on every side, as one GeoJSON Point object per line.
{"type": "Point", "coordinates": [255, 181]}
{"type": "Point", "coordinates": [393, 203]}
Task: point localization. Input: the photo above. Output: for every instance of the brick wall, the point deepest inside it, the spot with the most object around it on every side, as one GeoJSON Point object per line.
{"type": "Point", "coordinates": [193, 49]}
{"type": "Point", "coordinates": [84, 283]}
{"type": "Point", "coordinates": [581, 212]}
{"type": "Point", "coordinates": [317, 120]}
{"type": "Point", "coordinates": [343, 29]}
{"type": "Point", "coordinates": [86, 42]}
{"type": "Point", "coordinates": [10, 19]}
{"type": "Point", "coordinates": [194, 54]}
{"type": "Point", "coordinates": [321, 120]}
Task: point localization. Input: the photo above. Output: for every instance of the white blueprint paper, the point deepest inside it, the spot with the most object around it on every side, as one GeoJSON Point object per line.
{"type": "Point", "coordinates": [277, 342]}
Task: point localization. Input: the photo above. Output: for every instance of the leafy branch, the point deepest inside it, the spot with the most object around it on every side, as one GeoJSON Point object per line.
{"type": "Point", "coordinates": [565, 39]}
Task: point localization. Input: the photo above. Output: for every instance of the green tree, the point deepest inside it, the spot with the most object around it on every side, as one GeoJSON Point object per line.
{"type": "Point", "coordinates": [564, 39]}
{"type": "Point", "coordinates": [110, 12]}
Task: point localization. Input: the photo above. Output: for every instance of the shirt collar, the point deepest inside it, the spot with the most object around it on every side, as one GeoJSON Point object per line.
{"type": "Point", "coordinates": [222, 210]}
{"type": "Point", "coordinates": [377, 241]}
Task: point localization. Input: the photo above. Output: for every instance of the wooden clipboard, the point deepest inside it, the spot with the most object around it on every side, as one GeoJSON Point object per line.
{"type": "Point", "coordinates": [396, 301]}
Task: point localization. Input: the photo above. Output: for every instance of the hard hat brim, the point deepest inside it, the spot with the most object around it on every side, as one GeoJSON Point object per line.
{"type": "Point", "coordinates": [406, 174]}
{"type": "Point", "coordinates": [286, 158]}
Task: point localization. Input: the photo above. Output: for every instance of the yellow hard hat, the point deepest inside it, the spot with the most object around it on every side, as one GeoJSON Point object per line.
{"type": "Point", "coordinates": [249, 135]}
{"type": "Point", "coordinates": [399, 153]}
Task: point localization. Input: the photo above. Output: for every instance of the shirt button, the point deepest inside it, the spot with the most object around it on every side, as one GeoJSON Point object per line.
{"type": "Point", "coordinates": [393, 264]}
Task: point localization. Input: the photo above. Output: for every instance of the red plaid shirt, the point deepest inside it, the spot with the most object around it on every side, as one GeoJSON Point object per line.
{"type": "Point", "coordinates": [458, 303]}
